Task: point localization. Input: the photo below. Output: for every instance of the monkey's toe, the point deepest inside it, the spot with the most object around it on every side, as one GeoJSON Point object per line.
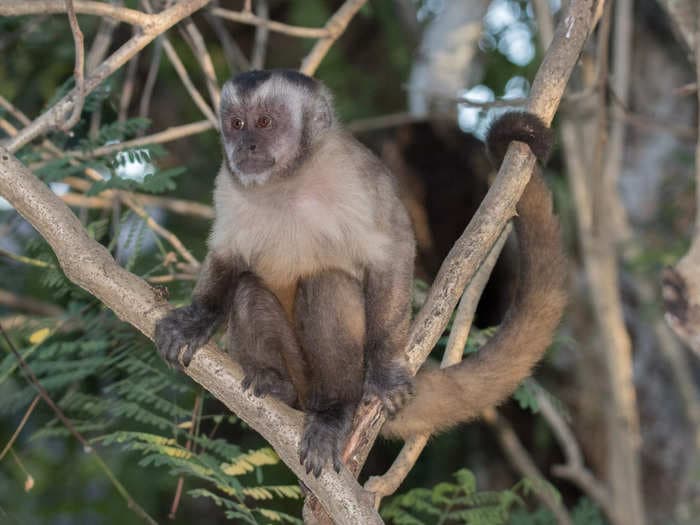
{"type": "Point", "coordinates": [320, 445]}
{"type": "Point", "coordinates": [392, 384]}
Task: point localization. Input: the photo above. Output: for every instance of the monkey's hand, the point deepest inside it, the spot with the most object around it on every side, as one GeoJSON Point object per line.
{"type": "Point", "coordinates": [189, 326]}
{"type": "Point", "coordinates": [391, 383]}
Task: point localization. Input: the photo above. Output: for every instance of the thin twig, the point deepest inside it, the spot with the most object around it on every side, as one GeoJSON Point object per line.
{"type": "Point", "coordinates": [235, 58]}
{"type": "Point", "coordinates": [151, 77]}
{"type": "Point", "coordinates": [19, 428]}
{"type": "Point", "coordinates": [161, 137]}
{"type": "Point", "coordinates": [29, 304]}
{"type": "Point", "coordinates": [335, 26]}
{"type": "Point", "coordinates": [78, 69]}
{"type": "Point", "coordinates": [154, 25]}
{"type": "Point", "coordinates": [128, 88]}
{"type": "Point", "coordinates": [139, 210]}
{"type": "Point", "coordinates": [262, 32]}
{"type": "Point", "coordinates": [277, 27]}
{"type": "Point", "coordinates": [523, 462]}
{"type": "Point", "coordinates": [390, 481]}
{"type": "Point", "coordinates": [87, 448]}
{"type": "Point", "coordinates": [85, 7]}
{"type": "Point", "coordinates": [188, 447]}
{"type": "Point", "coordinates": [199, 48]}
{"type": "Point", "coordinates": [574, 468]}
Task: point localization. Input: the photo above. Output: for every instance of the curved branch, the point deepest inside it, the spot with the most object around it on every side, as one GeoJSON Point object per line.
{"type": "Point", "coordinates": [154, 26]}
{"type": "Point", "coordinates": [497, 208]}
{"type": "Point", "coordinates": [82, 7]}
{"type": "Point", "coordinates": [89, 265]}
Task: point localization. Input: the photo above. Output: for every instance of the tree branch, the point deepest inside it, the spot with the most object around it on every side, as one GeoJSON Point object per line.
{"type": "Point", "coordinates": [497, 208]}
{"type": "Point", "coordinates": [89, 265]}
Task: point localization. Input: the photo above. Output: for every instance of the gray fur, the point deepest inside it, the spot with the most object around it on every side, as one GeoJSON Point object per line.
{"type": "Point", "coordinates": [319, 295]}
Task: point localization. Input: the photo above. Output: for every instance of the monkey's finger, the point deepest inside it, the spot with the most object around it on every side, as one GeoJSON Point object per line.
{"type": "Point", "coordinates": [188, 354]}
{"type": "Point", "coordinates": [247, 381]}
{"type": "Point", "coordinates": [318, 469]}
{"type": "Point", "coordinates": [337, 463]}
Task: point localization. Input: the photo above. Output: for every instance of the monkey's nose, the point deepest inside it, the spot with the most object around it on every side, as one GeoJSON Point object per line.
{"type": "Point", "coordinates": [251, 147]}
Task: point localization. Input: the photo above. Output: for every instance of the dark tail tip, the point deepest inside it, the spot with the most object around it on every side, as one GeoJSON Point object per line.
{"type": "Point", "coordinates": [521, 126]}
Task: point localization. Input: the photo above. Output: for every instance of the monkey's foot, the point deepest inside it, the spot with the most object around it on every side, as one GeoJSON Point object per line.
{"type": "Point", "coordinates": [190, 326]}
{"type": "Point", "coordinates": [392, 384]}
{"type": "Point", "coordinates": [268, 381]}
{"type": "Point", "coordinates": [320, 444]}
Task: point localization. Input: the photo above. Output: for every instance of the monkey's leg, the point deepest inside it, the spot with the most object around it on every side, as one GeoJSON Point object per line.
{"type": "Point", "coordinates": [263, 340]}
{"type": "Point", "coordinates": [388, 289]}
{"type": "Point", "coordinates": [330, 320]}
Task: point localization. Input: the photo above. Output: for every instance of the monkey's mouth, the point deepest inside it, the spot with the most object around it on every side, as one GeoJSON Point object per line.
{"type": "Point", "coordinates": [252, 165]}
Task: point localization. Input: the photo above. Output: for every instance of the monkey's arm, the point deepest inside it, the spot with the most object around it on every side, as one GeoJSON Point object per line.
{"type": "Point", "coordinates": [193, 325]}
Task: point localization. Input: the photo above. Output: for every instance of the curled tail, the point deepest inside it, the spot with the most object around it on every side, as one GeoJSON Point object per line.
{"type": "Point", "coordinates": [446, 397]}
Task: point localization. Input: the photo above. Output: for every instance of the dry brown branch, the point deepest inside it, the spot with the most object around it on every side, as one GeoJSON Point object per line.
{"type": "Point", "coordinates": [12, 110]}
{"type": "Point", "coordinates": [166, 234]}
{"type": "Point", "coordinates": [262, 32]}
{"type": "Point", "coordinates": [78, 69]}
{"type": "Point", "coordinates": [83, 7]}
{"type": "Point", "coordinates": [600, 262]}
{"type": "Point", "coordinates": [277, 27]}
{"type": "Point", "coordinates": [619, 85]}
{"type": "Point", "coordinates": [151, 77]}
{"type": "Point", "coordinates": [681, 284]}
{"type": "Point", "coordinates": [89, 265]}
{"type": "Point", "coordinates": [199, 48]}
{"type": "Point", "coordinates": [574, 469]}
{"type": "Point", "coordinates": [390, 481]}
{"type": "Point", "coordinates": [128, 88]}
{"type": "Point", "coordinates": [101, 42]}
{"type": "Point", "coordinates": [132, 202]}
{"type": "Point", "coordinates": [153, 26]}
{"type": "Point", "coordinates": [197, 44]}
{"type": "Point", "coordinates": [162, 279]}
{"type": "Point", "coordinates": [483, 230]}
{"type": "Point", "coordinates": [20, 426]}
{"type": "Point", "coordinates": [106, 201]}
{"type": "Point", "coordinates": [335, 27]}
{"type": "Point", "coordinates": [523, 463]}
{"type": "Point", "coordinates": [29, 304]}
{"type": "Point", "coordinates": [235, 58]}
{"type": "Point", "coordinates": [161, 137]}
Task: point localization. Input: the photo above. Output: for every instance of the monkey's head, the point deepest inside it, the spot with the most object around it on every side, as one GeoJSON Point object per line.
{"type": "Point", "coordinates": [269, 122]}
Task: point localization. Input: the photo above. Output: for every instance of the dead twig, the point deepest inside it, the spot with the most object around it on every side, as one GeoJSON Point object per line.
{"type": "Point", "coordinates": [335, 27]}
{"type": "Point", "coordinates": [78, 69]}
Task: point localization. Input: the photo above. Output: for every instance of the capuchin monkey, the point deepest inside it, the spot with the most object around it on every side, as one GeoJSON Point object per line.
{"type": "Point", "coordinates": [310, 264]}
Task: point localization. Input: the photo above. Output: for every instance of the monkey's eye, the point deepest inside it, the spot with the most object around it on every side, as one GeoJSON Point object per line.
{"type": "Point", "coordinates": [263, 122]}
{"type": "Point", "coordinates": [237, 123]}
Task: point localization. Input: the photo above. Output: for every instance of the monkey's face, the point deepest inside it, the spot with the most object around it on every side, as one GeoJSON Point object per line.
{"type": "Point", "coordinates": [268, 121]}
{"type": "Point", "coordinates": [261, 139]}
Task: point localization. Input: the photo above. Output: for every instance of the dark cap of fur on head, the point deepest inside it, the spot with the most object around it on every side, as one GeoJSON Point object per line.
{"type": "Point", "coordinates": [521, 126]}
{"type": "Point", "coordinates": [249, 81]}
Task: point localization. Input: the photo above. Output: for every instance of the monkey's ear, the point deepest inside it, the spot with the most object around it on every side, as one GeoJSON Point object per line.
{"type": "Point", "coordinates": [322, 112]}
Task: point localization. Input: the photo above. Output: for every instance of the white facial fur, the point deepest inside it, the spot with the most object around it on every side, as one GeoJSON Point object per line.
{"type": "Point", "coordinates": [277, 93]}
